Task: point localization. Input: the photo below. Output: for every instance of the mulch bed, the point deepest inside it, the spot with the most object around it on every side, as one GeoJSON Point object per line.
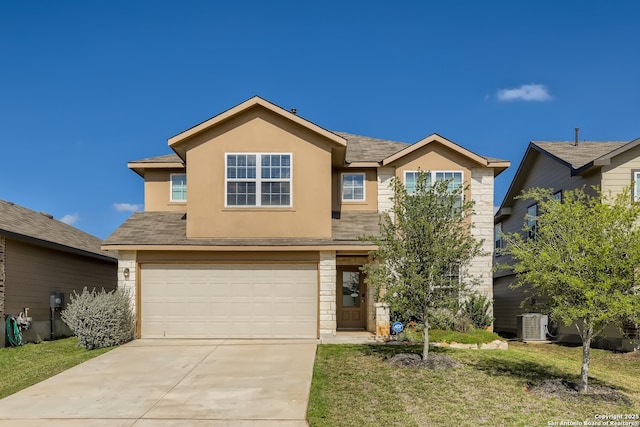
{"type": "Point", "coordinates": [434, 361]}
{"type": "Point", "coordinates": [568, 390]}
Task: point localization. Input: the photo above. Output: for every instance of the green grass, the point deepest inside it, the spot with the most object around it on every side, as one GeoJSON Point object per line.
{"type": "Point", "coordinates": [21, 367]}
{"type": "Point", "coordinates": [352, 386]}
{"type": "Point", "coordinates": [477, 336]}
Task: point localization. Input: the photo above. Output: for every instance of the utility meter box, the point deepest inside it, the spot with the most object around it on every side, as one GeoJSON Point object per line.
{"type": "Point", "coordinates": [56, 300]}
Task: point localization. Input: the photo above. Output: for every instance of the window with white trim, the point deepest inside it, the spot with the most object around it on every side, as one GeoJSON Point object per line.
{"type": "Point", "coordinates": [353, 187]}
{"type": "Point", "coordinates": [636, 186]}
{"type": "Point", "coordinates": [178, 187]}
{"type": "Point", "coordinates": [455, 179]}
{"type": "Point", "coordinates": [258, 179]}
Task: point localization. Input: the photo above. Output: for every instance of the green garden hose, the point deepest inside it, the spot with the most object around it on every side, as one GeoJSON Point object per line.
{"type": "Point", "coordinates": [14, 336]}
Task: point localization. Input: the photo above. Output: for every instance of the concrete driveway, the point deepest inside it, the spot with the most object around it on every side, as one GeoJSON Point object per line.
{"type": "Point", "coordinates": [153, 383]}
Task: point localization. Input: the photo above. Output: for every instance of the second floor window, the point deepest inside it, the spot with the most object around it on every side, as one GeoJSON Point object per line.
{"type": "Point", "coordinates": [497, 232]}
{"type": "Point", "coordinates": [454, 178]}
{"type": "Point", "coordinates": [178, 187]}
{"type": "Point", "coordinates": [260, 179]}
{"type": "Point", "coordinates": [532, 220]}
{"type": "Point", "coordinates": [353, 187]}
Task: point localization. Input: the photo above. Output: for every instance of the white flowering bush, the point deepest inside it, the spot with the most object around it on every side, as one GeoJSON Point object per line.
{"type": "Point", "coordinates": [100, 318]}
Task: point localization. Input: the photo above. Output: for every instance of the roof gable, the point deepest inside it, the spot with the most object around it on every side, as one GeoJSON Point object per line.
{"type": "Point", "coordinates": [176, 142]}
{"type": "Point", "coordinates": [434, 138]}
{"type": "Point", "coordinates": [576, 157]}
{"type": "Point", "coordinates": [39, 228]}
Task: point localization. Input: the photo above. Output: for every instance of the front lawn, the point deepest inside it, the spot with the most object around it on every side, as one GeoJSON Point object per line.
{"type": "Point", "coordinates": [352, 386]}
{"type": "Point", "coordinates": [29, 364]}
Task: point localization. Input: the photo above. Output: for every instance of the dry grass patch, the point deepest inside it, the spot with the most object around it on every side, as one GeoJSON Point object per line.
{"type": "Point", "coordinates": [352, 385]}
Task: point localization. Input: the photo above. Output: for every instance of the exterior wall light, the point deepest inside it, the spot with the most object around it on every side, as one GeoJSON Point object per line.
{"type": "Point", "coordinates": [126, 273]}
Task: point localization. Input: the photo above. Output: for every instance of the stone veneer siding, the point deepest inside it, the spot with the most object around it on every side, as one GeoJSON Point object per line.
{"type": "Point", "coordinates": [127, 259]}
{"type": "Point", "coordinates": [482, 221]}
{"type": "Point", "coordinates": [380, 313]}
{"type": "Point", "coordinates": [327, 273]}
{"type": "Point", "coordinates": [385, 190]}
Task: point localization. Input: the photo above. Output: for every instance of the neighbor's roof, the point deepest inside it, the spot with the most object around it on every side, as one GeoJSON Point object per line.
{"type": "Point", "coordinates": [170, 229]}
{"type": "Point", "coordinates": [40, 228]}
{"type": "Point", "coordinates": [579, 155]}
{"type": "Point", "coordinates": [578, 158]}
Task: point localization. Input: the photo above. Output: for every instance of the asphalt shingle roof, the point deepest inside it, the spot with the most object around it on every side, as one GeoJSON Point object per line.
{"type": "Point", "coordinates": [18, 221]}
{"type": "Point", "coordinates": [581, 154]}
{"type": "Point", "coordinates": [166, 158]}
{"type": "Point", "coordinates": [366, 149]}
{"type": "Point", "coordinates": [170, 228]}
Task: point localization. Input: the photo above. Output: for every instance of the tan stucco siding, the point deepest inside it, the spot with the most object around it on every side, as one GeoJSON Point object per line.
{"type": "Point", "coordinates": [157, 191]}
{"type": "Point", "coordinates": [259, 132]}
{"type": "Point", "coordinates": [435, 157]}
{"type": "Point", "coordinates": [371, 191]}
{"type": "Point", "coordinates": [167, 257]}
{"type": "Point", "coordinates": [33, 272]}
{"type": "Point", "coordinates": [618, 175]}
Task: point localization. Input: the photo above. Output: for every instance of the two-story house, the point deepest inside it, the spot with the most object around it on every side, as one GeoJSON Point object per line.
{"type": "Point", "coordinates": [251, 228]}
{"type": "Point", "coordinates": [560, 166]}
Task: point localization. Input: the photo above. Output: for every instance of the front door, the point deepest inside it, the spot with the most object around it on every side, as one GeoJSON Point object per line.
{"type": "Point", "coordinates": [351, 298]}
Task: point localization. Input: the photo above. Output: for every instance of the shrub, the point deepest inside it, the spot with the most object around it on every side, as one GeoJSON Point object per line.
{"type": "Point", "coordinates": [100, 319]}
{"type": "Point", "coordinates": [441, 318]}
{"type": "Point", "coordinates": [476, 309]}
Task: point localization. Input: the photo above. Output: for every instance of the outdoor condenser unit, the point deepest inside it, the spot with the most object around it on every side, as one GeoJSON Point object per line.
{"type": "Point", "coordinates": [532, 327]}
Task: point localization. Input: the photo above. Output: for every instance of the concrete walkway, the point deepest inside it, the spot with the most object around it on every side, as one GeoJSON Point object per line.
{"type": "Point", "coordinates": [166, 383]}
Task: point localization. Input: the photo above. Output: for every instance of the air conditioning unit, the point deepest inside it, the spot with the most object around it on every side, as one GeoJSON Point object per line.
{"type": "Point", "coordinates": [532, 327]}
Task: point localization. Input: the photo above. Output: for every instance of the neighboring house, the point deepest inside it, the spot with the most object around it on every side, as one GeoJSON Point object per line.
{"type": "Point", "coordinates": [560, 166]}
{"type": "Point", "coordinates": [251, 229]}
{"type": "Point", "coordinates": [39, 256]}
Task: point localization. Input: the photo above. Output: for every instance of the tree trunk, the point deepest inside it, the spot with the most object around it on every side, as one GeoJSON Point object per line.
{"type": "Point", "coordinates": [425, 349]}
{"type": "Point", "coordinates": [586, 357]}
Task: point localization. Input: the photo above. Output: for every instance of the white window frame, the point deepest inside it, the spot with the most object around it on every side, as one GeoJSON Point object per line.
{"type": "Point", "coordinates": [432, 175]}
{"type": "Point", "coordinates": [636, 186]}
{"type": "Point", "coordinates": [171, 188]}
{"type": "Point", "coordinates": [364, 186]}
{"type": "Point", "coordinates": [259, 180]}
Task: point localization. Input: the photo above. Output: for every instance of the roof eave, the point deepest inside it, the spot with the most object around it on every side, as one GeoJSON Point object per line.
{"type": "Point", "coordinates": [237, 248]}
{"type": "Point", "coordinates": [140, 167]}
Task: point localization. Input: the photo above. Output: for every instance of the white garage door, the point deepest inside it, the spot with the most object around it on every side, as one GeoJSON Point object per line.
{"type": "Point", "coordinates": [229, 301]}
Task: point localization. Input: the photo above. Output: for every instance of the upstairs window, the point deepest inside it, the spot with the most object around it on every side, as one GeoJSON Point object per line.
{"type": "Point", "coordinates": [454, 178]}
{"type": "Point", "coordinates": [353, 187]}
{"type": "Point", "coordinates": [497, 233]}
{"type": "Point", "coordinates": [260, 179]}
{"type": "Point", "coordinates": [532, 220]}
{"type": "Point", "coordinates": [178, 187]}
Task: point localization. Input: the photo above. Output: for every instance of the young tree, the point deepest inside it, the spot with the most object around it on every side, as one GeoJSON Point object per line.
{"type": "Point", "coordinates": [583, 257]}
{"type": "Point", "coordinates": [424, 248]}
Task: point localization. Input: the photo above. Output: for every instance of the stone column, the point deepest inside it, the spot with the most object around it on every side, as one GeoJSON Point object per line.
{"type": "Point", "coordinates": [482, 222]}
{"type": "Point", "coordinates": [3, 262]}
{"type": "Point", "coordinates": [127, 259]}
{"type": "Point", "coordinates": [327, 277]}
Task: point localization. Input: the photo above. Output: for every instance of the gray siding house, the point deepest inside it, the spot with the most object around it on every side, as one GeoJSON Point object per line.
{"type": "Point", "coordinates": [565, 165]}
{"type": "Point", "coordinates": [40, 255]}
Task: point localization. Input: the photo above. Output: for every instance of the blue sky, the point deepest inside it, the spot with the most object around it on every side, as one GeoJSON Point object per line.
{"type": "Point", "coordinates": [86, 87]}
